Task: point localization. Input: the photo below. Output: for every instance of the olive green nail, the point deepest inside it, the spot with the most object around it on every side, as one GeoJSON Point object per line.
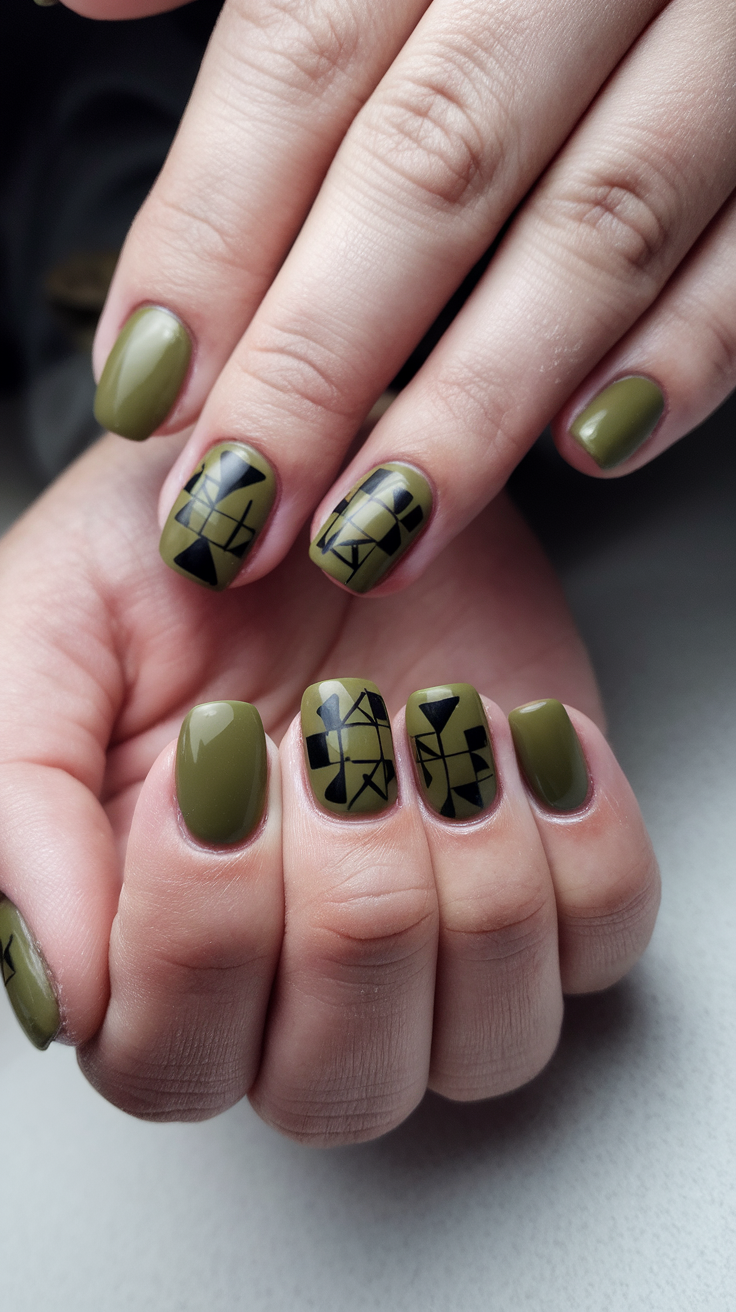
{"type": "Point", "coordinates": [550, 754]}
{"type": "Point", "coordinates": [221, 772]}
{"type": "Point", "coordinates": [616, 422]}
{"type": "Point", "coordinates": [349, 747]}
{"type": "Point", "coordinates": [448, 730]}
{"type": "Point", "coordinates": [26, 978]}
{"type": "Point", "coordinates": [218, 515]}
{"type": "Point", "coordinates": [372, 527]}
{"type": "Point", "coordinates": [144, 373]}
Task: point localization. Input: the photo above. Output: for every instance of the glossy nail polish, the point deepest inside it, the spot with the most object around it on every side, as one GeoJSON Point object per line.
{"type": "Point", "coordinates": [218, 515]}
{"type": "Point", "coordinates": [26, 979]}
{"type": "Point", "coordinates": [618, 420]}
{"type": "Point", "coordinates": [349, 748]}
{"type": "Point", "coordinates": [144, 373]}
{"type": "Point", "coordinates": [550, 754]}
{"type": "Point", "coordinates": [221, 772]}
{"type": "Point", "coordinates": [448, 730]}
{"type": "Point", "coordinates": [372, 527]}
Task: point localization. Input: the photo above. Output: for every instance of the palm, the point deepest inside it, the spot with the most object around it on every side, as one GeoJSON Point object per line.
{"type": "Point", "coordinates": [120, 647]}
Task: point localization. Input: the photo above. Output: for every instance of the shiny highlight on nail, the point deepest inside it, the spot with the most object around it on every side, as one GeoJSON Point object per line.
{"type": "Point", "coordinates": [143, 374]}
{"type": "Point", "coordinates": [619, 420]}
{"type": "Point", "coordinates": [222, 772]}
{"type": "Point", "coordinates": [550, 755]}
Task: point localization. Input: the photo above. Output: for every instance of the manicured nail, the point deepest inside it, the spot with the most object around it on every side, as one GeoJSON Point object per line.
{"type": "Point", "coordinates": [550, 754]}
{"type": "Point", "coordinates": [372, 527]}
{"type": "Point", "coordinates": [144, 373]}
{"type": "Point", "coordinates": [452, 750]}
{"type": "Point", "coordinates": [349, 747]}
{"type": "Point", "coordinates": [616, 422]}
{"type": "Point", "coordinates": [221, 772]}
{"type": "Point", "coordinates": [218, 515]}
{"type": "Point", "coordinates": [26, 979]}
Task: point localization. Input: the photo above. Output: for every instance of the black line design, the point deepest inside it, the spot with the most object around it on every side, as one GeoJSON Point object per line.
{"type": "Point", "coordinates": [330, 748]}
{"type": "Point", "coordinates": [380, 505]}
{"type": "Point", "coordinates": [462, 772]}
{"type": "Point", "coordinates": [8, 963]}
{"type": "Point", "coordinates": [203, 515]}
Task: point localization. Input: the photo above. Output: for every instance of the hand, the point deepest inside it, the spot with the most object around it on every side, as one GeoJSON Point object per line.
{"type": "Point", "coordinates": [165, 987]}
{"type": "Point", "coordinates": [341, 168]}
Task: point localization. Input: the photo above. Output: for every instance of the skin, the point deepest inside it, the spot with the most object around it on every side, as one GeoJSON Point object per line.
{"type": "Point", "coordinates": [164, 979]}
{"type": "Point", "coordinates": [420, 128]}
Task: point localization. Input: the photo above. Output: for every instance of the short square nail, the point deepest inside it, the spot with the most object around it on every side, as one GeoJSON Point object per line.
{"type": "Point", "coordinates": [218, 515]}
{"type": "Point", "coordinates": [618, 420]}
{"type": "Point", "coordinates": [372, 527]}
{"type": "Point", "coordinates": [455, 769]}
{"type": "Point", "coordinates": [26, 979]}
{"type": "Point", "coordinates": [349, 747]}
{"type": "Point", "coordinates": [221, 772]}
{"type": "Point", "coordinates": [550, 755]}
{"type": "Point", "coordinates": [143, 374]}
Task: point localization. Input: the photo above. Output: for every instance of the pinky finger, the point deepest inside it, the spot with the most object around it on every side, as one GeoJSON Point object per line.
{"type": "Point", "coordinates": [674, 367]}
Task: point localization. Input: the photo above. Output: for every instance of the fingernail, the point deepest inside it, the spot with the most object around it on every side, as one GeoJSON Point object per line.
{"type": "Point", "coordinates": [349, 747]}
{"type": "Point", "coordinates": [616, 422]}
{"type": "Point", "coordinates": [26, 979]}
{"type": "Point", "coordinates": [218, 515]}
{"type": "Point", "coordinates": [45, 4]}
{"type": "Point", "coordinates": [221, 772]}
{"type": "Point", "coordinates": [550, 754]}
{"type": "Point", "coordinates": [144, 373]}
{"type": "Point", "coordinates": [449, 735]}
{"type": "Point", "coordinates": [372, 527]}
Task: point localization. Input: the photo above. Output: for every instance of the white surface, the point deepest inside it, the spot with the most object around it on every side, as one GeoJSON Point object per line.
{"type": "Point", "coordinates": [605, 1186]}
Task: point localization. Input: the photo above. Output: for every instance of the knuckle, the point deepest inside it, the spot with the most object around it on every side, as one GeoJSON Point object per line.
{"type": "Point", "coordinates": [300, 368]}
{"type": "Point", "coordinates": [180, 225]}
{"type": "Point", "coordinates": [308, 43]}
{"type": "Point", "coordinates": [500, 925]}
{"type": "Point", "coordinates": [434, 129]}
{"type": "Point", "coordinates": [386, 930]}
{"type": "Point", "coordinates": [715, 335]}
{"type": "Point", "coordinates": [622, 220]}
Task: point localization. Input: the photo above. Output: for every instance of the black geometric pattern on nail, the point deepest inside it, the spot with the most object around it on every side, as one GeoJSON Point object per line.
{"type": "Point", "coordinates": [7, 960]}
{"type": "Point", "coordinates": [432, 757]}
{"type": "Point", "coordinates": [203, 514]}
{"type": "Point", "coordinates": [328, 749]}
{"type": "Point", "coordinates": [348, 535]}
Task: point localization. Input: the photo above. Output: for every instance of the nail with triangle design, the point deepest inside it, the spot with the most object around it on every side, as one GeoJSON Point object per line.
{"type": "Point", "coordinates": [218, 515]}
{"type": "Point", "coordinates": [451, 745]}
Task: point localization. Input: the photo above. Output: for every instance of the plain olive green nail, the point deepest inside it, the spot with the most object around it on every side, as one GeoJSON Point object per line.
{"type": "Point", "coordinates": [372, 527]}
{"type": "Point", "coordinates": [550, 754]}
{"type": "Point", "coordinates": [349, 747]}
{"type": "Point", "coordinates": [616, 422]}
{"type": "Point", "coordinates": [26, 979]}
{"type": "Point", "coordinates": [221, 771]}
{"type": "Point", "coordinates": [218, 515]}
{"type": "Point", "coordinates": [144, 373]}
{"type": "Point", "coordinates": [452, 751]}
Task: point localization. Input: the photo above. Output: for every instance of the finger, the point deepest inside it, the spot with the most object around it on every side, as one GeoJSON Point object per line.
{"type": "Point", "coordinates": [196, 938]}
{"type": "Point", "coordinates": [277, 90]}
{"type": "Point", "coordinates": [603, 868]}
{"type": "Point", "coordinates": [674, 367]}
{"type": "Point", "coordinates": [453, 137]}
{"type": "Point", "coordinates": [347, 1050]}
{"type": "Point", "coordinates": [498, 1001]}
{"type": "Point", "coordinates": [620, 208]}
